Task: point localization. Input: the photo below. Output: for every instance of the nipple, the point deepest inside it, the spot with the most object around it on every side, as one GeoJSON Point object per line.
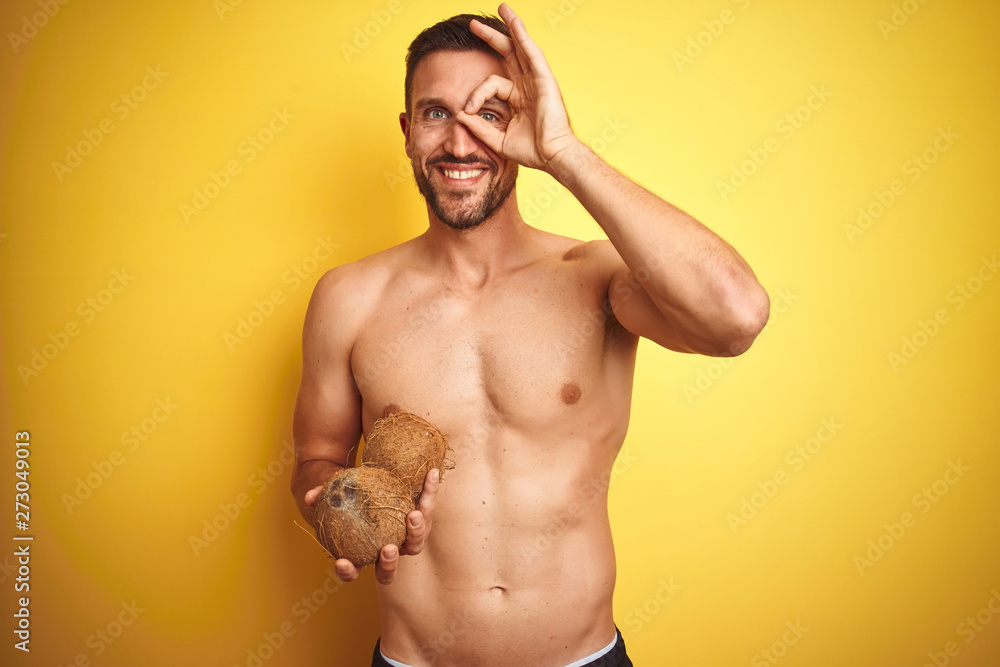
{"type": "Point", "coordinates": [570, 393]}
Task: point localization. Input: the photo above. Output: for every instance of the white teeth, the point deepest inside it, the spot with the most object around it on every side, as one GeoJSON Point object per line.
{"type": "Point", "coordinates": [462, 175]}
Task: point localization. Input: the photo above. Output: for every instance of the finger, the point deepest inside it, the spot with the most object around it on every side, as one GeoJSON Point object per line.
{"type": "Point", "coordinates": [416, 532]}
{"type": "Point", "coordinates": [312, 494]}
{"type": "Point", "coordinates": [500, 42]}
{"type": "Point", "coordinates": [418, 522]}
{"type": "Point", "coordinates": [485, 132]}
{"type": "Point", "coordinates": [345, 569]}
{"type": "Point", "coordinates": [508, 16]}
{"type": "Point", "coordinates": [428, 497]}
{"type": "Point", "coordinates": [533, 60]}
{"type": "Point", "coordinates": [494, 86]}
{"type": "Point", "coordinates": [385, 568]}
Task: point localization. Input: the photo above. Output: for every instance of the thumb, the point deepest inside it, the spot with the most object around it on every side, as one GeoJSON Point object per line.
{"type": "Point", "coordinates": [311, 495]}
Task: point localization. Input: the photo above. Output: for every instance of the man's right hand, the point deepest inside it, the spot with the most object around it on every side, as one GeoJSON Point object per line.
{"type": "Point", "coordinates": [418, 526]}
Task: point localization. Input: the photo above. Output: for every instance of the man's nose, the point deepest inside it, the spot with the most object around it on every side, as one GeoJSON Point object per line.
{"type": "Point", "coordinates": [460, 141]}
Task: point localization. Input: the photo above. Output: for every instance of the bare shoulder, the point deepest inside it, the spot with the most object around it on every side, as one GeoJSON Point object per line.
{"type": "Point", "coordinates": [598, 256]}
{"type": "Point", "coordinates": [595, 263]}
{"type": "Point", "coordinates": [345, 294]}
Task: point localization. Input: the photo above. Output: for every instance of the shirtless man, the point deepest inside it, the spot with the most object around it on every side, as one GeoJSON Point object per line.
{"type": "Point", "coordinates": [520, 346]}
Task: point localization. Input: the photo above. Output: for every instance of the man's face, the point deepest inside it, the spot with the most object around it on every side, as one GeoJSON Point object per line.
{"type": "Point", "coordinates": [463, 181]}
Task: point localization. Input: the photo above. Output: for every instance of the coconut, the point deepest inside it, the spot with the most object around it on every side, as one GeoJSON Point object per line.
{"type": "Point", "coordinates": [407, 445]}
{"type": "Point", "coordinates": [359, 511]}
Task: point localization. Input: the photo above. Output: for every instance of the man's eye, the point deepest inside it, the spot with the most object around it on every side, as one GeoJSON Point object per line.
{"type": "Point", "coordinates": [489, 116]}
{"type": "Point", "coordinates": [436, 114]}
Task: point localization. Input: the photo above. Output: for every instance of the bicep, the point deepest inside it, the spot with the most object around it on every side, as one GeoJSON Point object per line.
{"type": "Point", "coordinates": [631, 304]}
{"type": "Point", "coordinates": [327, 422]}
{"type": "Point", "coordinates": [635, 310]}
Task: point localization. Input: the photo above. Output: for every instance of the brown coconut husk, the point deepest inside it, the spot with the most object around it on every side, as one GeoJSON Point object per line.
{"type": "Point", "coordinates": [409, 446]}
{"type": "Point", "coordinates": [359, 511]}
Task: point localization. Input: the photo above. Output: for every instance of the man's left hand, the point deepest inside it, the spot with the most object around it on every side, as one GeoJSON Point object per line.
{"type": "Point", "coordinates": [539, 128]}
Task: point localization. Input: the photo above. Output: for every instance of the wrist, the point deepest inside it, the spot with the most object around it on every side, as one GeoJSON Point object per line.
{"type": "Point", "coordinates": [568, 162]}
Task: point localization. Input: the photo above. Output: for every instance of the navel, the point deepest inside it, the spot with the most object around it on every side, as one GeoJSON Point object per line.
{"type": "Point", "coordinates": [570, 393]}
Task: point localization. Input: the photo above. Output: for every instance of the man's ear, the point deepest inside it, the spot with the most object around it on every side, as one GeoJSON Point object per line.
{"type": "Point", "coordinates": [404, 124]}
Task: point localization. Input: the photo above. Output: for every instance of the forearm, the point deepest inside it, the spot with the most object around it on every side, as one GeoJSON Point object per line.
{"type": "Point", "coordinates": [691, 274]}
{"type": "Point", "coordinates": [308, 475]}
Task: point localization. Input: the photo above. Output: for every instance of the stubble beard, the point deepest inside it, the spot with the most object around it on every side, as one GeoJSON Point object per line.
{"type": "Point", "coordinates": [467, 209]}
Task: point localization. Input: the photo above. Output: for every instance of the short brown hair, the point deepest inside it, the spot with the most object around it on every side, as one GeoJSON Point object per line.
{"type": "Point", "coordinates": [451, 34]}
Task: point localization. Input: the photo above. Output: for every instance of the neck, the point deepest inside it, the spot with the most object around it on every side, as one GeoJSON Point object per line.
{"type": "Point", "coordinates": [473, 256]}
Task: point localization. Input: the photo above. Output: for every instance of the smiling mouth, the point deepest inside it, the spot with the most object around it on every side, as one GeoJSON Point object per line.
{"type": "Point", "coordinates": [462, 174]}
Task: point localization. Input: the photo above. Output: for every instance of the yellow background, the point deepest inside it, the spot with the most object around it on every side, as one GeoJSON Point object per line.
{"type": "Point", "coordinates": [705, 434]}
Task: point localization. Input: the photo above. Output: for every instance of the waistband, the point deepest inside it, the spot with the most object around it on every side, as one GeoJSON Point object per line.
{"type": "Point", "coordinates": [612, 655]}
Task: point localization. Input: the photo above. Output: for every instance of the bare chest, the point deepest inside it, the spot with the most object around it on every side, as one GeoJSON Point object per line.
{"type": "Point", "coordinates": [527, 352]}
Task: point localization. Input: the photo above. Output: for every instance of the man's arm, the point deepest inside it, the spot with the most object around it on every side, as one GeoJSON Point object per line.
{"type": "Point", "coordinates": [327, 423]}
{"type": "Point", "coordinates": [673, 280]}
